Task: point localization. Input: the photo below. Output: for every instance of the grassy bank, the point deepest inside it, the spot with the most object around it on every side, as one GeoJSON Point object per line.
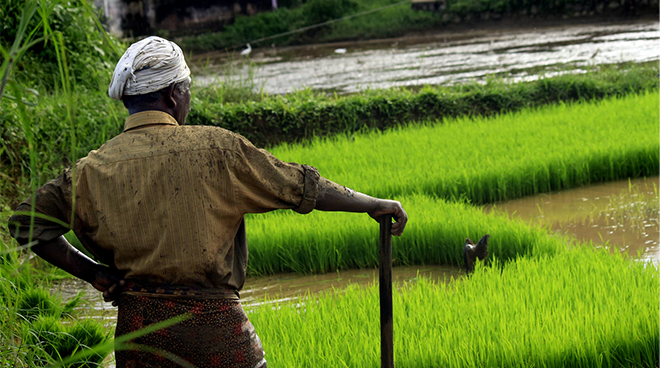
{"type": "Point", "coordinates": [38, 329]}
{"type": "Point", "coordinates": [581, 308]}
{"type": "Point", "coordinates": [271, 120]}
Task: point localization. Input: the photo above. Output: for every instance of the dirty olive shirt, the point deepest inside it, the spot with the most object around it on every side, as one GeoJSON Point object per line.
{"type": "Point", "coordinates": [165, 203]}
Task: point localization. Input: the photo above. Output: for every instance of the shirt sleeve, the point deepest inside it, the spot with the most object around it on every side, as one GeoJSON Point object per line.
{"type": "Point", "coordinates": [52, 200]}
{"type": "Point", "coordinates": [263, 182]}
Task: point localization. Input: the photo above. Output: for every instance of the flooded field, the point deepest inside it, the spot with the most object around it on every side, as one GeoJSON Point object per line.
{"type": "Point", "coordinates": [622, 215]}
{"type": "Point", "coordinates": [444, 58]}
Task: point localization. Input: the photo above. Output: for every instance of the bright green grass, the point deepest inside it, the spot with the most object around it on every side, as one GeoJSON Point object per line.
{"type": "Point", "coordinates": [492, 159]}
{"type": "Point", "coordinates": [325, 241]}
{"type": "Point", "coordinates": [581, 308]}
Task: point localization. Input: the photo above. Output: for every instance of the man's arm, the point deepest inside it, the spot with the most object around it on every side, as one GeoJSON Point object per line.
{"type": "Point", "coordinates": [53, 207]}
{"type": "Point", "coordinates": [59, 252]}
{"type": "Point", "coordinates": [334, 197]}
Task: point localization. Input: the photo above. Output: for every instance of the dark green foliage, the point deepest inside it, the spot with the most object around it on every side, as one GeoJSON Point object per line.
{"type": "Point", "coordinates": [305, 115]}
{"type": "Point", "coordinates": [97, 119]}
{"type": "Point", "coordinates": [90, 53]}
{"type": "Point", "coordinates": [317, 11]}
{"type": "Point", "coordinates": [386, 23]}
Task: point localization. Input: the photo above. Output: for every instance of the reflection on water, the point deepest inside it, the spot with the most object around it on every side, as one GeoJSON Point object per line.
{"type": "Point", "coordinates": [621, 214]}
{"type": "Point", "coordinates": [289, 286]}
{"type": "Point", "coordinates": [448, 58]}
{"type": "Point", "coordinates": [275, 288]}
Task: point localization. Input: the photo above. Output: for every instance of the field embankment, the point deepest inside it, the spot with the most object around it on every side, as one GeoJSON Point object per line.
{"type": "Point", "coordinates": [580, 308]}
{"type": "Point", "coordinates": [306, 115]}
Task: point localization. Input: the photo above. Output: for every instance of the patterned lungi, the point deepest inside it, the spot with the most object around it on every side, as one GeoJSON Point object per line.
{"type": "Point", "coordinates": [216, 333]}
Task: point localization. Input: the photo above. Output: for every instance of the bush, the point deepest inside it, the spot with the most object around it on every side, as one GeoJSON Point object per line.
{"type": "Point", "coordinates": [90, 52]}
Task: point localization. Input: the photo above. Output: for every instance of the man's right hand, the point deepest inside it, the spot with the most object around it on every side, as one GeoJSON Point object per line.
{"type": "Point", "coordinates": [334, 197]}
{"type": "Point", "coordinates": [394, 208]}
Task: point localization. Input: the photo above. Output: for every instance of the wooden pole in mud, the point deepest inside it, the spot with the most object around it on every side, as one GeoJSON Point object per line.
{"type": "Point", "coordinates": [385, 285]}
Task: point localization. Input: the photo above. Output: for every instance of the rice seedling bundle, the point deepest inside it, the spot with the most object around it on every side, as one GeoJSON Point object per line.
{"type": "Point", "coordinates": [581, 308]}
{"type": "Point", "coordinates": [326, 241]}
{"type": "Point", "coordinates": [492, 159]}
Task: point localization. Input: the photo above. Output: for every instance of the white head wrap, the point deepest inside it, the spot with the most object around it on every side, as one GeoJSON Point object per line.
{"type": "Point", "coordinates": [147, 66]}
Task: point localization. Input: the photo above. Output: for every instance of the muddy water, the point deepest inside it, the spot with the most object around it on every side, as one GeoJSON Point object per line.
{"type": "Point", "coordinates": [621, 215]}
{"type": "Point", "coordinates": [271, 289]}
{"type": "Point", "coordinates": [447, 58]}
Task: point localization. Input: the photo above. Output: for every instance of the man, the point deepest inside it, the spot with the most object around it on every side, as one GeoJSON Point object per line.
{"type": "Point", "coordinates": [162, 206]}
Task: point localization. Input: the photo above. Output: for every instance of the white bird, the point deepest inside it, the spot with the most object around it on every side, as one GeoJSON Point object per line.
{"type": "Point", "coordinates": [340, 51]}
{"type": "Point", "coordinates": [247, 51]}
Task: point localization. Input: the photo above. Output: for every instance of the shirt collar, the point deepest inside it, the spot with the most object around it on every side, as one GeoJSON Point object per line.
{"type": "Point", "coordinates": [151, 117]}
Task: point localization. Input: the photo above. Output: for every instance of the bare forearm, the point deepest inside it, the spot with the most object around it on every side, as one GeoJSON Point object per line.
{"type": "Point", "coordinates": [63, 255]}
{"type": "Point", "coordinates": [335, 197]}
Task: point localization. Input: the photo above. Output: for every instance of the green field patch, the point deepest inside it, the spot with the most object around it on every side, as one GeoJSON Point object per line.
{"type": "Point", "coordinates": [581, 308]}
{"type": "Point", "coordinates": [324, 241]}
{"type": "Point", "coordinates": [486, 160]}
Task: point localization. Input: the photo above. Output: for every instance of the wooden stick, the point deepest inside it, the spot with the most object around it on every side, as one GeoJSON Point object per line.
{"type": "Point", "coordinates": [385, 285]}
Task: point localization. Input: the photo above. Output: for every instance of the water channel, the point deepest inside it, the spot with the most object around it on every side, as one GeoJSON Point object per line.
{"type": "Point", "coordinates": [441, 58]}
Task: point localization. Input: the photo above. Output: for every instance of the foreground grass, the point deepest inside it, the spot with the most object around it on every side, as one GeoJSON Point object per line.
{"type": "Point", "coordinates": [492, 159]}
{"type": "Point", "coordinates": [38, 329]}
{"type": "Point", "coordinates": [581, 308]}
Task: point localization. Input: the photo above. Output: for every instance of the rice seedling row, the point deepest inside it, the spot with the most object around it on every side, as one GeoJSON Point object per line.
{"type": "Point", "coordinates": [322, 242]}
{"type": "Point", "coordinates": [492, 159]}
{"type": "Point", "coordinates": [580, 308]}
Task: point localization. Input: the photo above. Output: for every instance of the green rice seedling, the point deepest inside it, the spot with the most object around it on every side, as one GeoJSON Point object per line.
{"type": "Point", "coordinates": [493, 159]}
{"type": "Point", "coordinates": [581, 308]}
{"type": "Point", "coordinates": [322, 242]}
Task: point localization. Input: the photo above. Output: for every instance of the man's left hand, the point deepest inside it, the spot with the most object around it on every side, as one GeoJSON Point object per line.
{"type": "Point", "coordinates": [109, 282]}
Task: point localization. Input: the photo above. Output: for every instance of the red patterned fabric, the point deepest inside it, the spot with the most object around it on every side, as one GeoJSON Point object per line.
{"type": "Point", "coordinates": [218, 334]}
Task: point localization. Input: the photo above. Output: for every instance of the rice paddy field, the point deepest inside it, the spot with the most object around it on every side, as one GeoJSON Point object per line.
{"type": "Point", "coordinates": [491, 159]}
{"type": "Point", "coordinates": [541, 300]}
{"type": "Point", "coordinates": [580, 308]}
{"type": "Point", "coordinates": [472, 161]}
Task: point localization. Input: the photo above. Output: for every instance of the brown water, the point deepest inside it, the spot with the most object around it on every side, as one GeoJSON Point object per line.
{"type": "Point", "coordinates": [622, 215]}
{"type": "Point", "coordinates": [271, 289]}
{"type": "Point", "coordinates": [444, 57]}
